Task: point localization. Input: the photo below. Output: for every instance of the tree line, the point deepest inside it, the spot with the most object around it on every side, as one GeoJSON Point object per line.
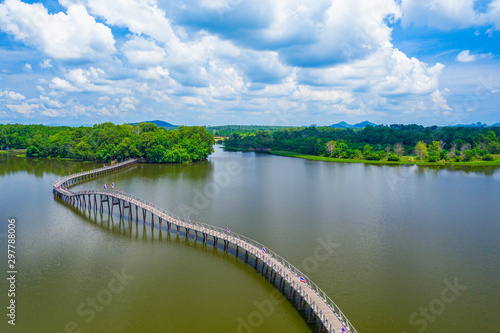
{"type": "Point", "coordinates": [431, 144]}
{"type": "Point", "coordinates": [107, 141]}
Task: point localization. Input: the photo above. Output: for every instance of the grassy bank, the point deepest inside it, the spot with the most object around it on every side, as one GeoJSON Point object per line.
{"type": "Point", "coordinates": [13, 151]}
{"type": "Point", "coordinates": [405, 160]}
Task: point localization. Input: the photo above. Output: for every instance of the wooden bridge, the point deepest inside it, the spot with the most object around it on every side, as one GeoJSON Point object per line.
{"type": "Point", "coordinates": [293, 283]}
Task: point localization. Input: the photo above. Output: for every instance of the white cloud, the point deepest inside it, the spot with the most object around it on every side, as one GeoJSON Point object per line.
{"type": "Point", "coordinates": [465, 56]}
{"type": "Point", "coordinates": [68, 36]}
{"type": "Point", "coordinates": [27, 66]}
{"type": "Point", "coordinates": [193, 101]}
{"type": "Point", "coordinates": [449, 14]}
{"type": "Point", "coordinates": [387, 71]}
{"type": "Point", "coordinates": [12, 95]}
{"type": "Point", "coordinates": [61, 84]}
{"type": "Point", "coordinates": [46, 63]}
{"type": "Point", "coordinates": [143, 52]}
{"type": "Point", "coordinates": [47, 101]}
{"type": "Point", "coordinates": [91, 80]}
{"type": "Point", "coordinates": [141, 17]}
{"type": "Point", "coordinates": [444, 14]}
{"type": "Point", "coordinates": [439, 101]}
{"type": "Point", "coordinates": [128, 103]}
{"type": "Point", "coordinates": [24, 108]}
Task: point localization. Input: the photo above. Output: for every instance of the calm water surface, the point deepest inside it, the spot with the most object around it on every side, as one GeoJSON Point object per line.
{"type": "Point", "coordinates": [398, 236]}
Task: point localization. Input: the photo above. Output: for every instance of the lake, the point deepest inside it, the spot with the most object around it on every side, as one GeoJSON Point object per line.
{"type": "Point", "coordinates": [398, 248]}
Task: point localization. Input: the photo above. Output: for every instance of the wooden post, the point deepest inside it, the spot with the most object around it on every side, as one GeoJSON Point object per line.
{"type": "Point", "coordinates": [136, 214]}
{"type": "Point", "coordinates": [246, 257]}
{"type": "Point", "coordinates": [152, 220]}
{"type": "Point", "coordinates": [310, 315]}
{"type": "Point", "coordinates": [237, 248]}
{"type": "Point", "coordinates": [256, 262]}
{"type": "Point", "coordinates": [178, 230]}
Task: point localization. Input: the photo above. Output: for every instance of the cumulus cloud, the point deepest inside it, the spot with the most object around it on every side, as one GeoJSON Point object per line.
{"type": "Point", "coordinates": [449, 14]}
{"type": "Point", "coordinates": [387, 71]}
{"type": "Point", "coordinates": [24, 108]}
{"type": "Point", "coordinates": [143, 52]}
{"type": "Point", "coordinates": [61, 84]}
{"type": "Point", "coordinates": [465, 56]}
{"type": "Point", "coordinates": [12, 95]}
{"type": "Point", "coordinates": [225, 58]}
{"type": "Point", "coordinates": [46, 63]}
{"type": "Point", "coordinates": [73, 35]}
{"type": "Point", "coordinates": [439, 101]}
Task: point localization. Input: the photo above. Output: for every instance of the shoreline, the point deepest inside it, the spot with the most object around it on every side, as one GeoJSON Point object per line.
{"type": "Point", "coordinates": [383, 162]}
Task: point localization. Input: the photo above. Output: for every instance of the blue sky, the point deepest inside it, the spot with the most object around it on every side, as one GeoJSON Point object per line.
{"type": "Point", "coordinates": [215, 62]}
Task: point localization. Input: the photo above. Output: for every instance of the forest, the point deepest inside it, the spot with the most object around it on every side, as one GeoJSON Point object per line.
{"type": "Point", "coordinates": [107, 141]}
{"type": "Point", "coordinates": [376, 143]}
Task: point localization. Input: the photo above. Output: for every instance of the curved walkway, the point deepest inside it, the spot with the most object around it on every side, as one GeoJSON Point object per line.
{"type": "Point", "coordinates": [328, 314]}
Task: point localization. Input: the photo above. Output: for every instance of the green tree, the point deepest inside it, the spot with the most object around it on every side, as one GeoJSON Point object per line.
{"type": "Point", "coordinates": [421, 150]}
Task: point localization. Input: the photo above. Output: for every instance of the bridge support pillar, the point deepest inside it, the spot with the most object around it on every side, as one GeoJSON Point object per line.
{"type": "Point", "coordinates": [178, 230]}
{"type": "Point", "coordinates": [246, 257]}
{"type": "Point", "coordinates": [310, 315]}
{"type": "Point", "coordinates": [152, 220]}
{"type": "Point", "coordinates": [237, 248]}
{"type": "Point", "coordinates": [187, 233]}
{"type": "Point", "coordinates": [256, 263]}
{"type": "Point", "coordinates": [195, 235]}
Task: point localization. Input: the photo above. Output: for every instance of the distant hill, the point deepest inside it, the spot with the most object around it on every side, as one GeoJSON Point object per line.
{"type": "Point", "coordinates": [478, 124]}
{"type": "Point", "coordinates": [159, 123]}
{"type": "Point", "coordinates": [497, 124]}
{"type": "Point", "coordinates": [343, 124]}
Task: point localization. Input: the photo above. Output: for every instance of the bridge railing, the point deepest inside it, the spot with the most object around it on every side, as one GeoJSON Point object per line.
{"type": "Point", "coordinates": [64, 179]}
{"type": "Point", "coordinates": [221, 231]}
{"type": "Point", "coordinates": [233, 235]}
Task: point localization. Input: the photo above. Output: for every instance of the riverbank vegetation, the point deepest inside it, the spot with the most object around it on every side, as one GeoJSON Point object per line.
{"type": "Point", "coordinates": [106, 142]}
{"type": "Point", "coordinates": [394, 144]}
